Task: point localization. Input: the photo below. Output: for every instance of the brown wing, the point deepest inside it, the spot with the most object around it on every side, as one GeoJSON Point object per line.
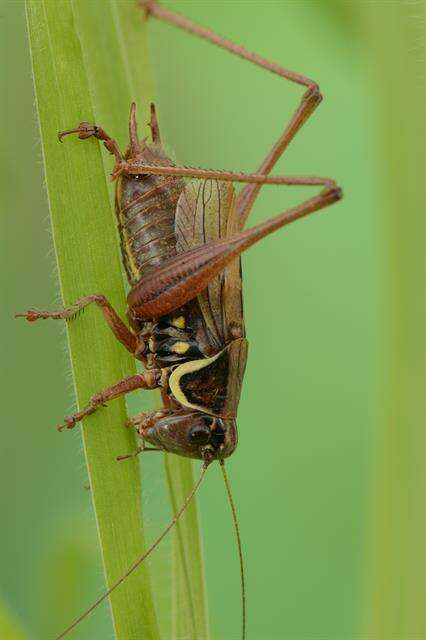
{"type": "Point", "coordinates": [206, 211]}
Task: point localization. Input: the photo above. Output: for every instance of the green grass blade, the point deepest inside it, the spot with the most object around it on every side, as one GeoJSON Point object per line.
{"type": "Point", "coordinates": [396, 567]}
{"type": "Point", "coordinates": [68, 91]}
{"type": "Point", "coordinates": [115, 79]}
{"type": "Point", "coordinates": [190, 618]}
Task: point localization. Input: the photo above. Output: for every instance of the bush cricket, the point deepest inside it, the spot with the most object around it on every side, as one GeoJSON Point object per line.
{"type": "Point", "coordinates": [181, 244]}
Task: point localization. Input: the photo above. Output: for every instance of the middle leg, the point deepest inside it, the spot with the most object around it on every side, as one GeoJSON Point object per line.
{"type": "Point", "coordinates": [117, 326]}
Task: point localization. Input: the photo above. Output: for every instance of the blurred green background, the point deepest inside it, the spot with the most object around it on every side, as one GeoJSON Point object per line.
{"type": "Point", "coordinates": [328, 477]}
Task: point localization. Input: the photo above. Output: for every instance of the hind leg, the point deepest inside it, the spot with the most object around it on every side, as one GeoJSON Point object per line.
{"type": "Point", "coordinates": [310, 100]}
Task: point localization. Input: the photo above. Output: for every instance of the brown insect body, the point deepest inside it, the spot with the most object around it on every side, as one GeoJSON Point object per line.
{"type": "Point", "coordinates": [145, 207]}
{"type": "Point", "coordinates": [153, 219]}
{"type": "Point", "coordinates": [181, 245]}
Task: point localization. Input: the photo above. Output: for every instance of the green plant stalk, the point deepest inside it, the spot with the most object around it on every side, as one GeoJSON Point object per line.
{"type": "Point", "coordinates": [190, 615]}
{"type": "Point", "coordinates": [69, 90]}
{"type": "Point", "coordinates": [397, 557]}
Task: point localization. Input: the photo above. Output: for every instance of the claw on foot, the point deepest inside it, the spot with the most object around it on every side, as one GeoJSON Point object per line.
{"type": "Point", "coordinates": [137, 452]}
{"type": "Point", "coordinates": [85, 130]}
{"type": "Point", "coordinates": [68, 424]}
{"type": "Point", "coordinates": [34, 314]}
{"type": "Point", "coordinates": [129, 455]}
{"type": "Point", "coordinates": [31, 315]}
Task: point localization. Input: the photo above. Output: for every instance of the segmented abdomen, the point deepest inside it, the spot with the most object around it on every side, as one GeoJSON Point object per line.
{"type": "Point", "coordinates": [145, 207]}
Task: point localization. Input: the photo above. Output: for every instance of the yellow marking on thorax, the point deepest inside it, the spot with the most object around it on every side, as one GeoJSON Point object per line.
{"type": "Point", "coordinates": [178, 322]}
{"type": "Point", "coordinates": [180, 348]}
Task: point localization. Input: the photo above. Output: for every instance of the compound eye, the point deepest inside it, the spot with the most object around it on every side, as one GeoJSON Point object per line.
{"type": "Point", "coordinates": [199, 434]}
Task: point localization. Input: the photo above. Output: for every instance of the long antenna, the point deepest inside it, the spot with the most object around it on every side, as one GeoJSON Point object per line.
{"type": "Point", "coordinates": [139, 561]}
{"type": "Point", "coordinates": [240, 551]}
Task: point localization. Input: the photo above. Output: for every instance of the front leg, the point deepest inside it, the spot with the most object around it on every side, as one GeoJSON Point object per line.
{"type": "Point", "coordinates": [87, 130]}
{"type": "Point", "coordinates": [146, 419]}
{"type": "Point", "coordinates": [148, 380]}
{"type": "Point", "coordinates": [142, 421]}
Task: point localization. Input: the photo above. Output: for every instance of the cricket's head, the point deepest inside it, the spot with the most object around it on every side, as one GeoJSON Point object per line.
{"type": "Point", "coordinates": [192, 434]}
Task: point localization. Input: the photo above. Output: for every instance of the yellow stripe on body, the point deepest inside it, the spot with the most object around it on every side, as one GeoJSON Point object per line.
{"type": "Point", "coordinates": [133, 267]}
{"type": "Point", "coordinates": [184, 369]}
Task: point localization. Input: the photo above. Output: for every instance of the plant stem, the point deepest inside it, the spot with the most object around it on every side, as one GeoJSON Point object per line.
{"type": "Point", "coordinates": [72, 87]}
